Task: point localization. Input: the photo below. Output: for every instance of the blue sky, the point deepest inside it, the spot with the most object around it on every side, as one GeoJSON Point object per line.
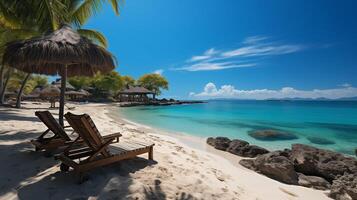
{"type": "Point", "coordinates": [237, 49]}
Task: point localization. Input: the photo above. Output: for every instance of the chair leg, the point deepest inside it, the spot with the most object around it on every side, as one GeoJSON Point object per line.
{"type": "Point", "coordinates": [151, 153]}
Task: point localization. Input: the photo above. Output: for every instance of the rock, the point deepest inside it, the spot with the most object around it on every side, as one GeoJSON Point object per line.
{"type": "Point", "coordinates": [322, 141]}
{"type": "Point", "coordinates": [344, 187]}
{"type": "Point", "coordinates": [356, 152]}
{"type": "Point", "coordinates": [323, 163]}
{"type": "Point", "coordinates": [242, 148]}
{"type": "Point", "coordinates": [272, 135]}
{"type": "Point", "coordinates": [275, 166]}
{"type": "Point", "coordinates": [248, 163]}
{"type": "Point", "coordinates": [236, 144]}
{"type": "Point", "coordinates": [253, 151]}
{"type": "Point", "coordinates": [220, 143]}
{"type": "Point", "coordinates": [313, 182]}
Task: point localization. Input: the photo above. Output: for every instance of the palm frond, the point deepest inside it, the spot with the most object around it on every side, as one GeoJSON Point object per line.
{"type": "Point", "coordinates": [116, 4]}
{"type": "Point", "coordinates": [94, 35]}
{"type": "Point", "coordinates": [50, 14]}
{"type": "Point", "coordinates": [85, 10]}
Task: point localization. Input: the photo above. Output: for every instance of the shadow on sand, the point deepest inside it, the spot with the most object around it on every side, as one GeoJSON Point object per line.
{"type": "Point", "coordinates": [110, 182]}
{"type": "Point", "coordinates": [13, 114]}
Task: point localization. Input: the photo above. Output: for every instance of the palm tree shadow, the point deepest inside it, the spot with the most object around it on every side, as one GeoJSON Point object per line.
{"type": "Point", "coordinates": [156, 193]}
{"type": "Point", "coordinates": [20, 164]}
{"type": "Point", "coordinates": [110, 182]}
{"type": "Point", "coordinates": [12, 114]}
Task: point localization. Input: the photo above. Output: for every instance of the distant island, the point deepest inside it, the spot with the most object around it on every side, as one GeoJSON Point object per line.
{"type": "Point", "coordinates": [289, 99]}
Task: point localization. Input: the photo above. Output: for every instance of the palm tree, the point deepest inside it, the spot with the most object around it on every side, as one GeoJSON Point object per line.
{"type": "Point", "coordinates": [21, 19]}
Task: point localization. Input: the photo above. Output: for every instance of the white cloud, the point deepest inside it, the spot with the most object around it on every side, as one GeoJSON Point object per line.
{"type": "Point", "coordinates": [214, 66]}
{"type": "Point", "coordinates": [158, 71]}
{"type": "Point", "coordinates": [254, 39]}
{"type": "Point", "coordinates": [254, 48]}
{"type": "Point", "coordinates": [229, 91]}
{"type": "Point", "coordinates": [206, 55]}
{"type": "Point", "coordinates": [262, 50]}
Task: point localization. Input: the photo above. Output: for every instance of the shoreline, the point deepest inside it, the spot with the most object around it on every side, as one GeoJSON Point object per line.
{"type": "Point", "coordinates": [178, 171]}
{"type": "Point", "coordinates": [191, 141]}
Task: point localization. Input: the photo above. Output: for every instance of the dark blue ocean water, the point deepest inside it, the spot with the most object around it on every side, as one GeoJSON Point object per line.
{"type": "Point", "coordinates": [310, 121]}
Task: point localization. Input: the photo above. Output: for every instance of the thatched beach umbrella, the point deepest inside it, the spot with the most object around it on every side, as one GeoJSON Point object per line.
{"type": "Point", "coordinates": [51, 93]}
{"type": "Point", "coordinates": [62, 52]}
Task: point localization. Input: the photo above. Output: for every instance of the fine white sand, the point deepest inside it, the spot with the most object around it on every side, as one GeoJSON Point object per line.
{"type": "Point", "coordinates": [178, 172]}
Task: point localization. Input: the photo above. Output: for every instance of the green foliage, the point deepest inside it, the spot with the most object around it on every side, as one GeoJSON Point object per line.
{"type": "Point", "coordinates": [34, 81]}
{"type": "Point", "coordinates": [154, 82]}
{"type": "Point", "coordinates": [23, 19]}
{"type": "Point", "coordinates": [102, 83]}
{"type": "Point", "coordinates": [80, 82]}
{"type": "Point", "coordinates": [128, 81]}
{"type": "Point", "coordinates": [111, 82]}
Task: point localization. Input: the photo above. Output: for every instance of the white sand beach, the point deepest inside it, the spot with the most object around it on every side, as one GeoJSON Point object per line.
{"type": "Point", "coordinates": [179, 171]}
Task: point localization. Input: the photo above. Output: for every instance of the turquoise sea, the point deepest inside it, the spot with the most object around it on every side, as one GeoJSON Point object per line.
{"type": "Point", "coordinates": [309, 121]}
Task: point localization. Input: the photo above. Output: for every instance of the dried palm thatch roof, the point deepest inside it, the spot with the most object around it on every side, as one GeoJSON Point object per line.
{"type": "Point", "coordinates": [48, 54]}
{"type": "Point", "coordinates": [50, 91]}
{"type": "Point", "coordinates": [78, 93]}
{"type": "Point", "coordinates": [136, 90]}
{"type": "Point", "coordinates": [58, 84]}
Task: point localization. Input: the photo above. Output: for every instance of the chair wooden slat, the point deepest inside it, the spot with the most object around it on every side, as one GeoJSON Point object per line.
{"type": "Point", "coordinates": [102, 152]}
{"type": "Point", "coordinates": [47, 118]}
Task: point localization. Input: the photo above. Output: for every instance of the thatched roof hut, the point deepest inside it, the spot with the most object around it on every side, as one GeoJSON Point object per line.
{"type": "Point", "coordinates": [58, 84]}
{"type": "Point", "coordinates": [62, 52]}
{"type": "Point", "coordinates": [50, 92]}
{"type": "Point", "coordinates": [135, 94]}
{"type": "Point", "coordinates": [49, 54]}
{"type": "Point", "coordinates": [136, 91]}
{"type": "Point", "coordinates": [78, 93]}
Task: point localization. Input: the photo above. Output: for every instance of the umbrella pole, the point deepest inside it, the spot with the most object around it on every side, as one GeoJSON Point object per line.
{"type": "Point", "coordinates": [63, 90]}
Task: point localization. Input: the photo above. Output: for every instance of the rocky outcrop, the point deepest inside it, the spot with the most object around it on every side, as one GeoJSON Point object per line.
{"type": "Point", "coordinates": [236, 144]}
{"type": "Point", "coordinates": [251, 151]}
{"type": "Point", "coordinates": [310, 167]}
{"type": "Point", "coordinates": [237, 147]}
{"type": "Point", "coordinates": [313, 182]}
{"type": "Point", "coordinates": [318, 162]}
{"type": "Point", "coordinates": [272, 135]}
{"type": "Point", "coordinates": [274, 165]}
{"type": "Point", "coordinates": [302, 165]}
{"type": "Point", "coordinates": [344, 187]}
{"type": "Point", "coordinates": [242, 148]}
{"type": "Point", "coordinates": [220, 143]}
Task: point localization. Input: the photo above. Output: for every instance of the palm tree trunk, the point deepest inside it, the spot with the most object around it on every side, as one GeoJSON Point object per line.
{"type": "Point", "coordinates": [2, 88]}
{"type": "Point", "coordinates": [4, 81]}
{"type": "Point", "coordinates": [2, 91]}
{"type": "Point", "coordinates": [63, 92]}
{"type": "Point", "coordinates": [19, 95]}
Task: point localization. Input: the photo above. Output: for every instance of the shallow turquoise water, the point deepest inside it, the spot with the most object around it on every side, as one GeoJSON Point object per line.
{"type": "Point", "coordinates": [334, 121]}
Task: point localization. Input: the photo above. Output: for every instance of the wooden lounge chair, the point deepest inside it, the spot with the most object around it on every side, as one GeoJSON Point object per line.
{"type": "Point", "coordinates": [98, 151]}
{"type": "Point", "coordinates": [59, 138]}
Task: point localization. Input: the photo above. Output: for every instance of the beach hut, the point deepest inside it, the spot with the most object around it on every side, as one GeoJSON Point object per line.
{"type": "Point", "coordinates": [51, 93]}
{"type": "Point", "coordinates": [77, 95]}
{"type": "Point", "coordinates": [135, 94]}
{"type": "Point", "coordinates": [35, 94]}
{"type": "Point", "coordinates": [63, 52]}
{"type": "Point", "coordinates": [58, 83]}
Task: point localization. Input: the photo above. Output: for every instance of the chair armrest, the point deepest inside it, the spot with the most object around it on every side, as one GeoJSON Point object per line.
{"type": "Point", "coordinates": [113, 135]}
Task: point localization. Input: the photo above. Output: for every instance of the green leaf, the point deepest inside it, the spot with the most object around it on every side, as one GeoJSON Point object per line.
{"type": "Point", "coordinates": [95, 36]}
